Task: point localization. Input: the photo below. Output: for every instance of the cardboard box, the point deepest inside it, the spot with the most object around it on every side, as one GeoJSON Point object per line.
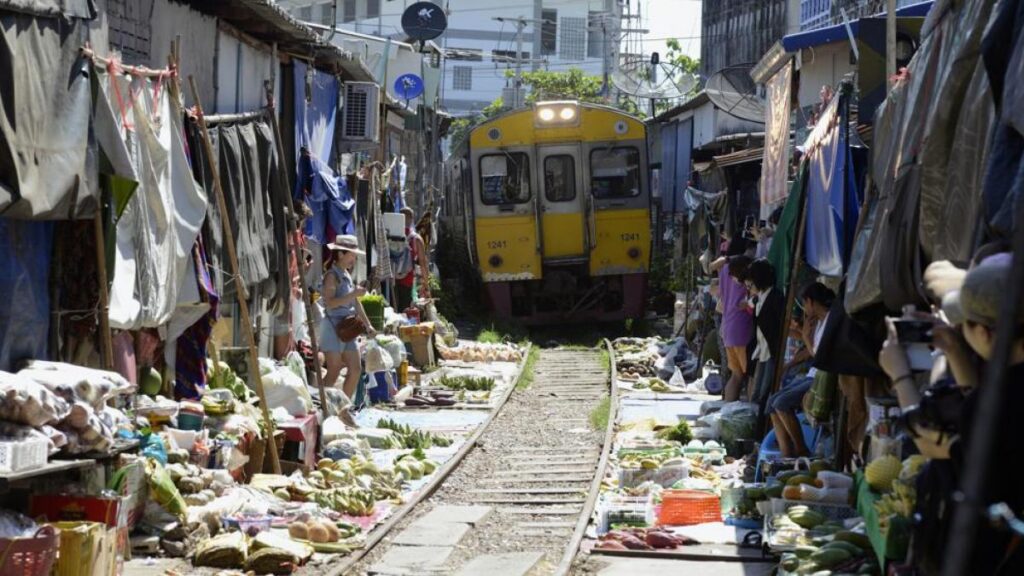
{"type": "Point", "coordinates": [71, 508]}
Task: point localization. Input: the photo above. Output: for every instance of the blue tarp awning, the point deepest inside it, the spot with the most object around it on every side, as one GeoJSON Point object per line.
{"type": "Point", "coordinates": [837, 33]}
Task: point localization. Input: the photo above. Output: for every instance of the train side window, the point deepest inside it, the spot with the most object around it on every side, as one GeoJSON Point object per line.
{"type": "Point", "coordinates": [615, 172]}
{"type": "Point", "coordinates": [560, 178]}
{"type": "Point", "coordinates": [505, 178]}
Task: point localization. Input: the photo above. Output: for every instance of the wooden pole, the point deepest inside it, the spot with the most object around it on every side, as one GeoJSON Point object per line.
{"type": "Point", "coordinates": [890, 41]}
{"type": "Point", "coordinates": [300, 261]}
{"type": "Point", "coordinates": [243, 305]}
{"type": "Point", "coordinates": [106, 341]}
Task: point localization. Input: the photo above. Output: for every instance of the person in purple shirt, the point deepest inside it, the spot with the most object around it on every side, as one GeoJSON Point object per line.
{"type": "Point", "coordinates": [737, 320]}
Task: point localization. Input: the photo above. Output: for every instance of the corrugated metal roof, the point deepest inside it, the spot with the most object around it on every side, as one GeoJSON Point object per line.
{"type": "Point", "coordinates": [837, 33]}
{"type": "Point", "coordinates": [268, 22]}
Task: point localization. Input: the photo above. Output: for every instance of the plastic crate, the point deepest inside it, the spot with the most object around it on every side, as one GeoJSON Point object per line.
{"type": "Point", "coordinates": [687, 507]}
{"type": "Point", "coordinates": [23, 454]}
{"type": "Point", "coordinates": [830, 511]}
{"type": "Point", "coordinates": [664, 476]}
{"type": "Point", "coordinates": [631, 510]}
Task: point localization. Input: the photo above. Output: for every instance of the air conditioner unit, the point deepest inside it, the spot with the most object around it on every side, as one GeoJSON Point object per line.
{"type": "Point", "coordinates": [361, 113]}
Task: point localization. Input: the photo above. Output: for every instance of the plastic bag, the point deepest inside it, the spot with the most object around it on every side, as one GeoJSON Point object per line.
{"type": "Point", "coordinates": [163, 490]}
{"type": "Point", "coordinates": [284, 389]}
{"type": "Point", "coordinates": [25, 401]}
{"type": "Point", "coordinates": [86, 384]}
{"type": "Point", "coordinates": [295, 363]}
{"type": "Point", "coordinates": [738, 420]}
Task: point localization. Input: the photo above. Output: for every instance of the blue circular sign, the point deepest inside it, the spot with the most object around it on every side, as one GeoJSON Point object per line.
{"type": "Point", "coordinates": [408, 86]}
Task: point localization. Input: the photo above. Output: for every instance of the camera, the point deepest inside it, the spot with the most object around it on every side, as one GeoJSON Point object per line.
{"type": "Point", "coordinates": [939, 409]}
{"type": "Point", "coordinates": [913, 331]}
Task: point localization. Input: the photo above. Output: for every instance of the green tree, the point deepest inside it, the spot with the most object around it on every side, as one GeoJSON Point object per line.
{"type": "Point", "coordinates": [460, 127]}
{"type": "Point", "coordinates": [572, 84]}
{"type": "Point", "coordinates": [684, 65]}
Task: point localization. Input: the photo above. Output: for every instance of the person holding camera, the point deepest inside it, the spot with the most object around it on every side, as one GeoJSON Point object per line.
{"type": "Point", "coordinates": [942, 419]}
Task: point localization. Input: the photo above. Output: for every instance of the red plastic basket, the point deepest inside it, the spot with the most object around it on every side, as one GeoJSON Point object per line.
{"type": "Point", "coordinates": [32, 556]}
{"type": "Point", "coordinates": [686, 507]}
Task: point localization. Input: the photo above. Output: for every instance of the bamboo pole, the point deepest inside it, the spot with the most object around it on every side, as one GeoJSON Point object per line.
{"type": "Point", "coordinates": [300, 262]}
{"type": "Point", "coordinates": [243, 305]}
{"type": "Point", "coordinates": [106, 341]}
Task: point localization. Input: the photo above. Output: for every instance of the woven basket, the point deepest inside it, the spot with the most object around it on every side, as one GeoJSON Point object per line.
{"type": "Point", "coordinates": [31, 556]}
{"type": "Point", "coordinates": [686, 507]}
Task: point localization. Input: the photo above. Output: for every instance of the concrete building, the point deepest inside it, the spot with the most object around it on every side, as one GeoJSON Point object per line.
{"type": "Point", "coordinates": [558, 35]}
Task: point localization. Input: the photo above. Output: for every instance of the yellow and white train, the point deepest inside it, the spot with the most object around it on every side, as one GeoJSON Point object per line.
{"type": "Point", "coordinates": [551, 206]}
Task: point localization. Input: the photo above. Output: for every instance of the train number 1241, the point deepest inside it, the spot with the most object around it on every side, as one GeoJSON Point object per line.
{"type": "Point", "coordinates": [630, 237]}
{"type": "Point", "coordinates": [495, 244]}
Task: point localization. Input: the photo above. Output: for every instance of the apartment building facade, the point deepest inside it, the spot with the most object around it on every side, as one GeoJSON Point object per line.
{"type": "Point", "coordinates": [480, 48]}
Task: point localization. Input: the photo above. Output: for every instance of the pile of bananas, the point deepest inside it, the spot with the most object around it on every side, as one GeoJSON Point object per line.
{"type": "Point", "coordinates": [351, 500]}
{"type": "Point", "coordinates": [413, 438]}
{"type": "Point", "coordinates": [899, 501]}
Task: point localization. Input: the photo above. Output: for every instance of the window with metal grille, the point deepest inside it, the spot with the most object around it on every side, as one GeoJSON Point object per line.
{"type": "Point", "coordinates": [573, 38]}
{"type": "Point", "coordinates": [325, 13]}
{"type": "Point", "coordinates": [549, 32]}
{"type": "Point", "coordinates": [306, 13]}
{"type": "Point", "coordinates": [372, 8]}
{"type": "Point", "coordinates": [130, 29]}
{"type": "Point", "coordinates": [462, 78]}
{"type": "Point", "coordinates": [595, 35]}
{"type": "Point", "coordinates": [349, 11]}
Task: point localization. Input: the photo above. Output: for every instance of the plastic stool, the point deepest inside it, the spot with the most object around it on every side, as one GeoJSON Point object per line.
{"type": "Point", "coordinates": [770, 445]}
{"type": "Point", "coordinates": [302, 431]}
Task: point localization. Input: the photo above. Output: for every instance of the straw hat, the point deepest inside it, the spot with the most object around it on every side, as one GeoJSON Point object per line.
{"type": "Point", "coordinates": [346, 242]}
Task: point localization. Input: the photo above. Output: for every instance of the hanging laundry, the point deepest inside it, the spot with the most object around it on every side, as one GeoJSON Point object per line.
{"type": "Point", "coordinates": [256, 198]}
{"type": "Point", "coordinates": [316, 106]}
{"type": "Point", "coordinates": [190, 364]}
{"type": "Point", "coordinates": [140, 138]}
{"type": "Point", "coordinates": [327, 197]}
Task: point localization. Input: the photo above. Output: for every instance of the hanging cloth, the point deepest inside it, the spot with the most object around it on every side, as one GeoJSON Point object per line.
{"type": "Point", "coordinates": [141, 138]}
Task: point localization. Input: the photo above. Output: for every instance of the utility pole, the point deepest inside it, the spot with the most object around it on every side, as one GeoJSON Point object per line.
{"type": "Point", "coordinates": [520, 23]}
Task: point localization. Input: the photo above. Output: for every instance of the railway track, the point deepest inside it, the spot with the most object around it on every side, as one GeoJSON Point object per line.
{"type": "Point", "coordinates": [521, 500]}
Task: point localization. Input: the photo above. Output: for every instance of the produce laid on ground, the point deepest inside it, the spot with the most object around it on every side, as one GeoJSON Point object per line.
{"type": "Point", "coordinates": [480, 352]}
{"type": "Point", "coordinates": [467, 383]}
{"type": "Point", "coordinates": [817, 545]}
{"type": "Point", "coordinates": [413, 438]}
{"type": "Point", "coordinates": [642, 539]}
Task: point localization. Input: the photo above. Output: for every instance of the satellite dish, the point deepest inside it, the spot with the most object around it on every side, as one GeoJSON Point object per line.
{"type": "Point", "coordinates": [733, 91]}
{"type": "Point", "coordinates": [408, 86]}
{"type": "Point", "coordinates": [652, 78]}
{"type": "Point", "coordinates": [424, 21]}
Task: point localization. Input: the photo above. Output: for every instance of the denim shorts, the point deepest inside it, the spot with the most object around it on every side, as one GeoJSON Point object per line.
{"type": "Point", "coordinates": [329, 339]}
{"type": "Point", "coordinates": [790, 398]}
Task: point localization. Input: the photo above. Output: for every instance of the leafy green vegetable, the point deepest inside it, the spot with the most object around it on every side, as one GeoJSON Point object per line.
{"type": "Point", "coordinates": [470, 383]}
{"type": "Point", "coordinates": [680, 433]}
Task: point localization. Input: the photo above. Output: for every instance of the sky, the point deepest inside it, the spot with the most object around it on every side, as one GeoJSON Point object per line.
{"type": "Point", "coordinates": [670, 19]}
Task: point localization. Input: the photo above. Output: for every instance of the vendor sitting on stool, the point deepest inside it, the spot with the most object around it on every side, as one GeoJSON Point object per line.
{"type": "Point", "coordinates": [816, 300]}
{"type": "Point", "coordinates": [405, 265]}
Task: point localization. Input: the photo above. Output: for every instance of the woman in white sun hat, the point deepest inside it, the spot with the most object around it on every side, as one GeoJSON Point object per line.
{"type": "Point", "coordinates": [341, 302]}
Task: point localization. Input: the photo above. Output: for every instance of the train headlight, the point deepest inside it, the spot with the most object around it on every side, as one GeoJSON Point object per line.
{"type": "Point", "coordinates": [634, 253]}
{"type": "Point", "coordinates": [557, 114]}
{"type": "Point", "coordinates": [495, 261]}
